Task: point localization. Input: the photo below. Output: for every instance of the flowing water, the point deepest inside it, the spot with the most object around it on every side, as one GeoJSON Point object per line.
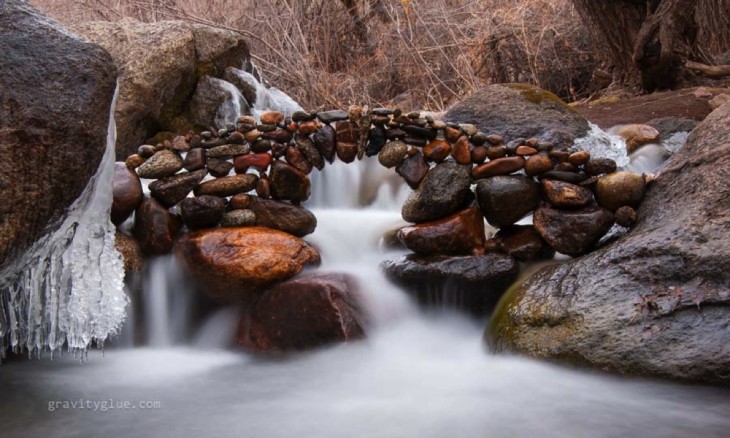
{"type": "Point", "coordinates": [417, 374]}
{"type": "Point", "coordinates": [173, 371]}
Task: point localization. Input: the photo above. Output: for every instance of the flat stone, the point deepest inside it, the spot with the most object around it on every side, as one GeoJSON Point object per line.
{"type": "Point", "coordinates": [565, 195]}
{"type": "Point", "coordinates": [459, 234]}
{"type": "Point", "coordinates": [228, 151]}
{"type": "Point", "coordinates": [620, 189]}
{"type": "Point", "coordinates": [126, 193]}
{"type": "Point", "coordinates": [202, 211]}
{"type": "Point", "coordinates": [162, 164]}
{"type": "Point", "coordinates": [332, 116]}
{"type": "Point", "coordinates": [171, 190]}
{"type": "Point", "coordinates": [500, 166]}
{"type": "Point", "coordinates": [283, 216]}
{"type": "Point", "coordinates": [227, 186]}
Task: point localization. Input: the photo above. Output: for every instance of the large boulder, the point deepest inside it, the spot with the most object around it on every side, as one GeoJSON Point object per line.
{"type": "Point", "coordinates": [160, 64]}
{"type": "Point", "coordinates": [235, 264]}
{"type": "Point", "coordinates": [306, 312]}
{"type": "Point", "coordinates": [55, 96]}
{"type": "Point", "coordinates": [520, 111]}
{"type": "Point", "coordinates": [472, 283]}
{"type": "Point", "coordinates": [655, 302]}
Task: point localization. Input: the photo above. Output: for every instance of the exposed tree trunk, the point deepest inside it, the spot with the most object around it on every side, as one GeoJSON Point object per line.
{"type": "Point", "coordinates": [646, 43]}
{"type": "Point", "coordinates": [713, 71]}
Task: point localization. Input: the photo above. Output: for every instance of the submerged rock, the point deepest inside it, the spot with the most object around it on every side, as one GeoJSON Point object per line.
{"type": "Point", "coordinates": [303, 313]}
{"type": "Point", "coordinates": [236, 264]}
{"type": "Point", "coordinates": [654, 302]}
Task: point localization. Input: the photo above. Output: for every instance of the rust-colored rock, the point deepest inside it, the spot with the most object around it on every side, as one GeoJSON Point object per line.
{"type": "Point", "coordinates": [295, 158]}
{"type": "Point", "coordinates": [288, 183]}
{"type": "Point", "coordinates": [501, 166]}
{"type": "Point", "coordinates": [537, 164]}
{"type": "Point", "coordinates": [272, 117]}
{"type": "Point", "coordinates": [258, 161]}
{"type": "Point", "coordinates": [523, 242]}
{"type": "Point", "coordinates": [236, 264]}
{"type": "Point", "coordinates": [437, 150]}
{"type": "Point", "coordinates": [303, 313]}
{"type": "Point", "coordinates": [460, 151]}
{"type": "Point", "coordinates": [459, 234]}
{"type": "Point", "coordinates": [413, 169]}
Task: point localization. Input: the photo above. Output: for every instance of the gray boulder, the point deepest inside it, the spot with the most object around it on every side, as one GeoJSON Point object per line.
{"type": "Point", "coordinates": [656, 301]}
{"type": "Point", "coordinates": [55, 96]}
{"type": "Point", "coordinates": [520, 111]}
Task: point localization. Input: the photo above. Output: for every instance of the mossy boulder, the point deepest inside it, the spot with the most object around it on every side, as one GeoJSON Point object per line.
{"type": "Point", "coordinates": [520, 111]}
{"type": "Point", "coordinates": [160, 65]}
{"type": "Point", "coordinates": [654, 302]}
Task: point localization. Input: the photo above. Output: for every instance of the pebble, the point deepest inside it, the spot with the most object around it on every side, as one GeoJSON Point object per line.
{"type": "Point", "coordinates": [537, 164]}
{"type": "Point", "coordinates": [228, 151]}
{"type": "Point", "coordinates": [393, 154]}
{"type": "Point", "coordinates": [437, 150]}
{"type": "Point", "coordinates": [227, 186]}
{"type": "Point", "coordinates": [501, 166]}
{"type": "Point", "coordinates": [332, 116]}
{"type": "Point", "coordinates": [162, 164]}
{"type": "Point", "coordinates": [218, 167]}
{"type": "Point", "coordinates": [238, 218]}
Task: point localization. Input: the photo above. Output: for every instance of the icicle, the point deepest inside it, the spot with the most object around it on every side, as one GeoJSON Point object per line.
{"type": "Point", "coordinates": [69, 287]}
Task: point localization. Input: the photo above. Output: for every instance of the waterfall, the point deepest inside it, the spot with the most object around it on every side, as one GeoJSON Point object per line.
{"type": "Point", "coordinates": [232, 107]}
{"type": "Point", "coordinates": [68, 288]}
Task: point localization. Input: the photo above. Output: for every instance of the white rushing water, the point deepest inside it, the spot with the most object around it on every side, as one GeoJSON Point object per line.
{"type": "Point", "coordinates": [68, 288]}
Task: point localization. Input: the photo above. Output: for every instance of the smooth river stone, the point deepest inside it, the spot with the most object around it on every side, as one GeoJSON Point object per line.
{"type": "Point", "coordinates": [500, 166]}
{"type": "Point", "coordinates": [126, 193]}
{"type": "Point", "coordinates": [572, 232]}
{"type": "Point", "coordinates": [171, 190]}
{"type": "Point", "coordinates": [227, 186]}
{"type": "Point", "coordinates": [506, 199]}
{"type": "Point", "coordinates": [163, 163]}
{"type": "Point", "coordinates": [565, 195]}
{"type": "Point", "coordinates": [459, 234]}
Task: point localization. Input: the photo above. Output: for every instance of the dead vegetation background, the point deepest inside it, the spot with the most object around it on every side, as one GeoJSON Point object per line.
{"type": "Point", "coordinates": [410, 53]}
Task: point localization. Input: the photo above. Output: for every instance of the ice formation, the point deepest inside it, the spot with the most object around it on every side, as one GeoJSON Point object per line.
{"type": "Point", "coordinates": [69, 287]}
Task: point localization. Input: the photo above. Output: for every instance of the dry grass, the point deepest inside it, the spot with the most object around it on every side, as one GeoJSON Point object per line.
{"type": "Point", "coordinates": [410, 53]}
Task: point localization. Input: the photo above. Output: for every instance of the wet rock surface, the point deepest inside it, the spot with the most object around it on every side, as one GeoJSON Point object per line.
{"type": "Point", "coordinates": [460, 233]}
{"type": "Point", "coordinates": [572, 232]}
{"type": "Point", "coordinates": [506, 199]}
{"type": "Point", "coordinates": [441, 193]}
{"type": "Point", "coordinates": [654, 302]}
{"type": "Point", "coordinates": [304, 313]}
{"type": "Point", "coordinates": [472, 283]}
{"type": "Point", "coordinates": [51, 80]}
{"type": "Point", "coordinates": [236, 264]}
{"type": "Point", "coordinates": [126, 193]}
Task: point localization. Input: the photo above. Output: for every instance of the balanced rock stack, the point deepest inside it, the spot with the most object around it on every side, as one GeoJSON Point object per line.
{"type": "Point", "coordinates": [248, 182]}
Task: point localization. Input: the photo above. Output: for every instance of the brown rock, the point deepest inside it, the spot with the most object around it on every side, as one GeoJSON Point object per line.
{"type": "Point", "coordinates": [523, 242]}
{"type": "Point", "coordinates": [393, 154]}
{"type": "Point", "coordinates": [238, 218]}
{"type": "Point", "coordinates": [460, 151]}
{"type": "Point", "coordinates": [598, 166]}
{"type": "Point", "coordinates": [346, 132]}
{"type": "Point", "coordinates": [228, 151]}
{"type": "Point", "coordinates": [495, 152]}
{"type": "Point", "coordinates": [478, 154]}
{"type": "Point", "coordinates": [625, 216]}
{"type": "Point", "coordinates": [637, 135]}
{"type": "Point", "coordinates": [171, 190]}
{"type": "Point", "coordinates": [218, 167]}
{"type": "Point", "coordinates": [310, 153]}
{"type": "Point", "coordinates": [162, 164]}
{"type": "Point", "coordinates": [134, 161]}
{"type": "Point", "coordinates": [452, 134]}
{"type": "Point", "coordinates": [413, 169]}
{"type": "Point", "coordinates": [272, 118]}
{"type": "Point", "coordinates": [501, 166]}
{"type": "Point", "coordinates": [295, 158]}
{"type": "Point", "coordinates": [126, 193]}
{"type": "Point", "coordinates": [303, 313]}
{"type": "Point", "coordinates": [459, 234]}
{"type": "Point", "coordinates": [263, 187]}
{"type": "Point", "coordinates": [437, 150]}
{"type": "Point", "coordinates": [194, 160]}
{"type": "Point", "coordinates": [227, 186]}
{"type": "Point", "coordinates": [259, 161]}
{"type": "Point", "coordinates": [526, 150]}
{"type": "Point", "coordinates": [155, 227]}
{"type": "Point", "coordinates": [202, 211]}
{"type": "Point", "coordinates": [619, 189]}
{"type": "Point", "coordinates": [278, 136]}
{"type": "Point", "coordinates": [565, 195]}
{"type": "Point", "coordinates": [240, 201]}
{"type": "Point", "coordinates": [288, 183]}
{"type": "Point", "coordinates": [573, 232]}
{"type": "Point", "coordinates": [129, 249]}
{"type": "Point", "coordinates": [346, 152]}
{"type": "Point", "coordinates": [236, 264]}
{"type": "Point", "coordinates": [579, 158]}
{"type": "Point", "coordinates": [309, 127]}
{"type": "Point", "coordinates": [180, 144]}
{"type": "Point", "coordinates": [283, 216]}
{"type": "Point", "coordinates": [537, 164]}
